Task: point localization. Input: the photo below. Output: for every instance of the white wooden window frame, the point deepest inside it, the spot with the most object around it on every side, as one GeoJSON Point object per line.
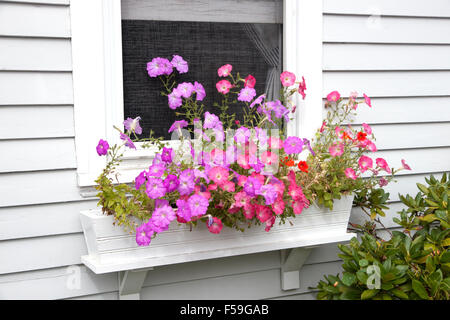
{"type": "Point", "coordinates": [98, 78]}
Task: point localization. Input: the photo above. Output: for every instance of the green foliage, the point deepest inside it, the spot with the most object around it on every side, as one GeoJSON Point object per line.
{"type": "Point", "coordinates": [414, 264]}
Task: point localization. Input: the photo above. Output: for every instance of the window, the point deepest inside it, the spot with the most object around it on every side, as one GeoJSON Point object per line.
{"type": "Point", "coordinates": [112, 40]}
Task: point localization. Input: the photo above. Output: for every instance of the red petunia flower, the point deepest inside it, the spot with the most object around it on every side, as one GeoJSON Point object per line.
{"type": "Point", "coordinates": [361, 136]}
{"type": "Point", "coordinates": [303, 166]}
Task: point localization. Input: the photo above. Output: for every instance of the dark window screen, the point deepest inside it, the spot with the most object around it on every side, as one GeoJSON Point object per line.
{"type": "Point", "coordinates": [206, 46]}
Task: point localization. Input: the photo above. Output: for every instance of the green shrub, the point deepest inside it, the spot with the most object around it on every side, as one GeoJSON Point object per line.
{"type": "Point", "coordinates": [413, 264]}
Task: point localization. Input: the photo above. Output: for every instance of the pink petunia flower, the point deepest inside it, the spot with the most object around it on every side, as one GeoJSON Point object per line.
{"type": "Point", "coordinates": [249, 211]}
{"type": "Point", "coordinates": [278, 206]}
{"type": "Point", "coordinates": [367, 128]}
{"type": "Point", "coordinates": [219, 175]}
{"type": "Point", "coordinates": [336, 150]}
{"type": "Point", "coordinates": [333, 96]}
{"type": "Point", "coordinates": [250, 81]}
{"type": "Point", "coordinates": [287, 79]}
{"type": "Point", "coordinates": [302, 88]}
{"type": "Point", "coordinates": [223, 86]}
{"type": "Point", "coordinates": [350, 173]}
{"type": "Point", "coordinates": [365, 163]}
{"type": "Point", "coordinates": [275, 143]}
{"type": "Point", "coordinates": [229, 186]}
{"type": "Point", "coordinates": [383, 164]}
{"type": "Point", "coordinates": [263, 213]}
{"type": "Point", "coordinates": [371, 146]}
{"type": "Point", "coordinates": [270, 223]}
{"type": "Point", "coordinates": [269, 158]}
{"type": "Point", "coordinates": [241, 199]}
{"type": "Point", "coordinates": [179, 63]}
{"type": "Point", "coordinates": [383, 182]}
{"type": "Point", "coordinates": [215, 226]}
{"type": "Point", "coordinates": [405, 166]}
{"type": "Point", "coordinates": [224, 71]}
{"type": "Point", "coordinates": [199, 91]}
{"type": "Point", "coordinates": [367, 100]}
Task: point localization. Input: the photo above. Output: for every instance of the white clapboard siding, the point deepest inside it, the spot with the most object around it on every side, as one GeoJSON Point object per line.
{"type": "Point", "coordinates": [31, 20]}
{"type": "Point", "coordinates": [42, 220]}
{"type": "Point", "coordinates": [47, 54]}
{"type": "Point", "coordinates": [37, 154]}
{"type": "Point", "coordinates": [407, 185]}
{"type": "Point", "coordinates": [34, 88]}
{"type": "Point", "coordinates": [248, 11]}
{"type": "Point", "coordinates": [58, 283]}
{"type": "Point", "coordinates": [362, 56]}
{"type": "Point", "coordinates": [406, 136]}
{"type": "Point", "coordinates": [405, 110]}
{"type": "Point", "coordinates": [359, 217]}
{"type": "Point", "coordinates": [388, 83]}
{"type": "Point", "coordinates": [38, 187]}
{"type": "Point", "coordinates": [301, 296]}
{"type": "Point", "coordinates": [25, 122]}
{"type": "Point", "coordinates": [416, 8]}
{"type": "Point", "coordinates": [100, 296]}
{"type": "Point", "coordinates": [55, 2]}
{"type": "Point", "coordinates": [370, 29]}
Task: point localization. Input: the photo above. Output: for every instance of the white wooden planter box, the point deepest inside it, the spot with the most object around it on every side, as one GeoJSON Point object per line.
{"type": "Point", "coordinates": [110, 249]}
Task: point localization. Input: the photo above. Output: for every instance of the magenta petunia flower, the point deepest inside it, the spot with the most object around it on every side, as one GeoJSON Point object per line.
{"type": "Point", "coordinates": [175, 100]}
{"type": "Point", "coordinates": [405, 166]}
{"type": "Point", "coordinates": [215, 226]}
{"type": "Point", "coordinates": [250, 81]}
{"type": "Point", "coordinates": [178, 125]}
{"type": "Point", "coordinates": [183, 210]}
{"type": "Point", "coordinates": [223, 86]}
{"type": "Point", "coordinates": [367, 100]}
{"type": "Point", "coordinates": [383, 164]}
{"type": "Point", "coordinates": [269, 193]}
{"type": "Point", "coordinates": [247, 94]}
{"type": "Point", "coordinates": [140, 180]}
{"type": "Point", "coordinates": [185, 89]}
{"type": "Point", "coordinates": [224, 71]}
{"type": "Point", "coordinates": [350, 173]}
{"type": "Point", "coordinates": [102, 148]}
{"type": "Point", "coordinates": [365, 163]}
{"type": "Point", "coordinates": [252, 186]}
{"type": "Point", "coordinates": [263, 213]}
{"type": "Point", "coordinates": [128, 142]}
{"type": "Point", "coordinates": [186, 187]}
{"type": "Point", "coordinates": [333, 96]}
{"type": "Point", "coordinates": [132, 125]}
{"type": "Point", "coordinates": [302, 88]}
{"type": "Point", "coordinates": [171, 183]}
{"type": "Point", "coordinates": [157, 170]}
{"type": "Point", "coordinates": [278, 206]}
{"type": "Point", "coordinates": [144, 235]}
{"type": "Point", "coordinates": [200, 91]}
{"type": "Point", "coordinates": [163, 216]}
{"type": "Point", "coordinates": [198, 205]}
{"type": "Point", "coordinates": [383, 182]}
{"type": "Point", "coordinates": [336, 150]}
{"type": "Point", "coordinates": [167, 155]}
{"type": "Point", "coordinates": [155, 188]}
{"type": "Point", "coordinates": [287, 79]}
{"type": "Point", "coordinates": [293, 145]}
{"type": "Point", "coordinates": [179, 63]}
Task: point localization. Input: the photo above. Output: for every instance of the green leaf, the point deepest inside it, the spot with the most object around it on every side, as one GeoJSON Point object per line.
{"type": "Point", "coordinates": [399, 294]}
{"type": "Point", "coordinates": [420, 290]}
{"type": "Point", "coordinates": [348, 278]}
{"type": "Point", "coordinates": [367, 294]}
{"type": "Point", "coordinates": [423, 188]}
{"type": "Point", "coordinates": [363, 263]}
{"type": "Point", "coordinates": [445, 257]}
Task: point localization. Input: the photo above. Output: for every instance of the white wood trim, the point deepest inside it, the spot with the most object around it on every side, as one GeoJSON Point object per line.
{"type": "Point", "coordinates": [98, 81]}
{"type": "Point", "coordinates": [303, 56]}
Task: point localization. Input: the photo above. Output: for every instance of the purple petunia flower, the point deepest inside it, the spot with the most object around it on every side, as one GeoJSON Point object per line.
{"type": "Point", "coordinates": [144, 235]}
{"type": "Point", "coordinates": [200, 91]}
{"type": "Point", "coordinates": [269, 193]}
{"type": "Point", "coordinates": [178, 125]}
{"type": "Point", "coordinates": [161, 203]}
{"type": "Point", "coordinates": [132, 125]}
{"type": "Point", "coordinates": [140, 180]}
{"type": "Point", "coordinates": [183, 210]}
{"type": "Point", "coordinates": [167, 155]}
{"type": "Point", "coordinates": [102, 148]}
{"type": "Point", "coordinates": [247, 94]}
{"type": "Point", "coordinates": [163, 216]}
{"type": "Point", "coordinates": [175, 100]}
{"type": "Point", "coordinates": [198, 205]}
{"type": "Point", "coordinates": [242, 135]}
{"type": "Point", "coordinates": [186, 187]}
{"type": "Point", "coordinates": [185, 89]}
{"type": "Point", "coordinates": [155, 188]}
{"type": "Point", "coordinates": [307, 143]}
{"type": "Point", "coordinates": [179, 63]}
{"type": "Point", "coordinates": [171, 183]}
{"type": "Point", "coordinates": [211, 121]}
{"type": "Point", "coordinates": [293, 145]}
{"type": "Point", "coordinates": [157, 170]}
{"type": "Point", "coordinates": [252, 186]}
{"type": "Point", "coordinates": [256, 164]}
{"type": "Point", "coordinates": [127, 140]}
{"type": "Point", "coordinates": [159, 66]}
{"type": "Point", "coordinates": [258, 100]}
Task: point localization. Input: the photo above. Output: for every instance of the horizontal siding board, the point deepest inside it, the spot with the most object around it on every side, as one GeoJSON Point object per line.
{"type": "Point", "coordinates": [55, 2]}
{"type": "Point", "coordinates": [339, 56]}
{"type": "Point", "coordinates": [359, 217]}
{"type": "Point", "coordinates": [389, 83]}
{"type": "Point", "coordinates": [373, 29]}
{"type": "Point", "coordinates": [405, 110]}
{"type": "Point", "coordinates": [32, 20]}
{"type": "Point", "coordinates": [417, 8]}
{"type": "Point", "coordinates": [35, 155]}
{"type": "Point", "coordinates": [31, 122]}
{"type": "Point", "coordinates": [406, 185]}
{"type": "Point", "coordinates": [32, 88]}
{"type": "Point", "coordinates": [42, 220]}
{"type": "Point", "coordinates": [38, 188]}
{"type": "Point", "coordinates": [35, 54]}
{"type": "Point", "coordinates": [406, 136]}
